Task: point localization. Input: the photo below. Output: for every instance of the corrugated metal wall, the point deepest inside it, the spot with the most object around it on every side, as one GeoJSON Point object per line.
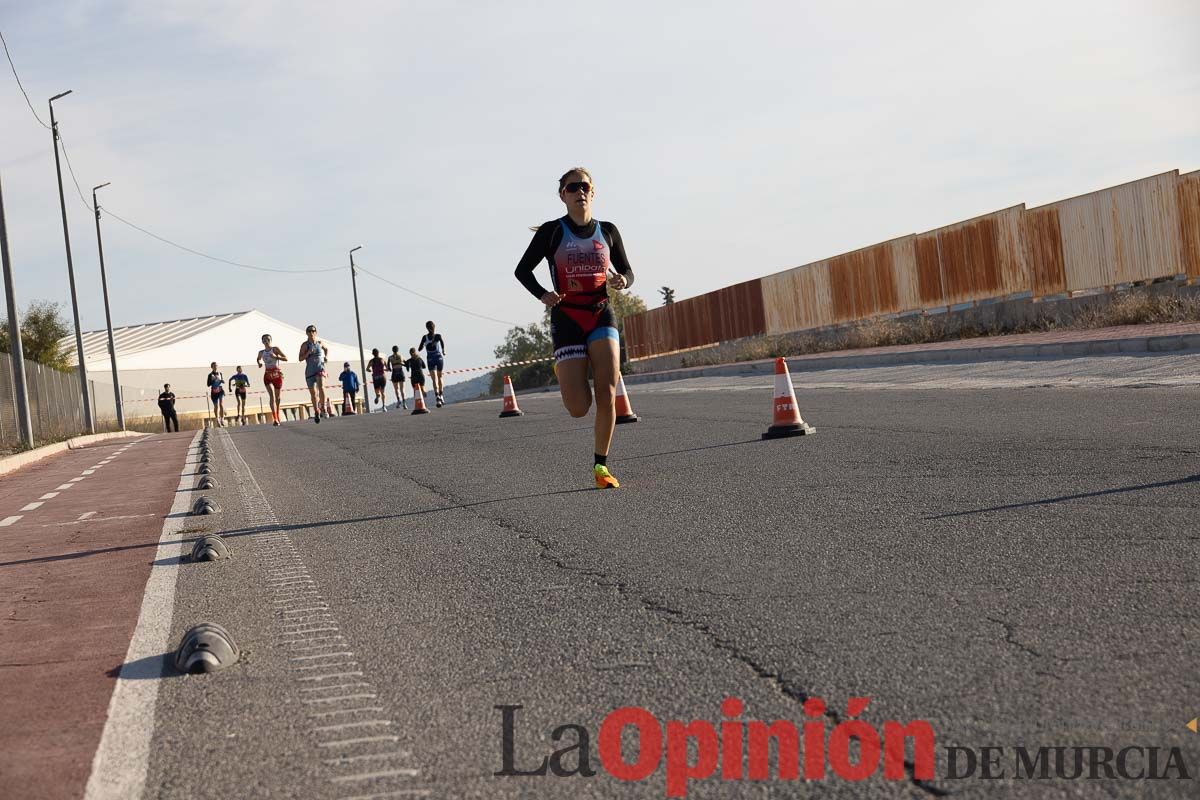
{"type": "Point", "coordinates": [1137, 231]}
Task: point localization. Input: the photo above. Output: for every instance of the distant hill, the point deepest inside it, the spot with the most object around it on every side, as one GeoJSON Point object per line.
{"type": "Point", "coordinates": [469, 390]}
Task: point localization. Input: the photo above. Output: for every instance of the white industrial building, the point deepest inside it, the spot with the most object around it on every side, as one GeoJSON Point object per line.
{"type": "Point", "coordinates": [180, 351]}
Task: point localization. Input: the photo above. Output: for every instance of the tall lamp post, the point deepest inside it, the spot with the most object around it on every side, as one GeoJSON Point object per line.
{"type": "Point", "coordinates": [88, 418]}
{"type": "Point", "coordinates": [112, 349]}
{"type": "Point", "coordinates": [362, 358]}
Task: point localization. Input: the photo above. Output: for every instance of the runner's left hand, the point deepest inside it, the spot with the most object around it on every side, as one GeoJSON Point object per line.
{"type": "Point", "coordinates": [616, 279]}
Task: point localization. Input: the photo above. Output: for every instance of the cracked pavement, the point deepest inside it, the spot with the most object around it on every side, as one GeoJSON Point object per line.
{"type": "Point", "coordinates": [1016, 566]}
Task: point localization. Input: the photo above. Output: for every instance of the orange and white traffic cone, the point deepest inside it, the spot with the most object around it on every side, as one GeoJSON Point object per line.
{"type": "Point", "coordinates": [624, 410]}
{"type": "Point", "coordinates": [787, 421]}
{"type": "Point", "coordinates": [510, 400]}
{"type": "Point", "coordinates": [419, 401]}
{"type": "Point", "coordinates": [347, 409]}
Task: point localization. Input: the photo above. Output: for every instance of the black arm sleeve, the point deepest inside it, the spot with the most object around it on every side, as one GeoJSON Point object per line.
{"type": "Point", "coordinates": [619, 261]}
{"type": "Point", "coordinates": [538, 247]}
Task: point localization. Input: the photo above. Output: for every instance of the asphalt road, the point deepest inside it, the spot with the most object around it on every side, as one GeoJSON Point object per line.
{"type": "Point", "coordinates": [1015, 566]}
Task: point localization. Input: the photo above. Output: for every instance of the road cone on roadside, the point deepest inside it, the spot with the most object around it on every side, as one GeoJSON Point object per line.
{"type": "Point", "coordinates": [624, 410]}
{"type": "Point", "coordinates": [510, 401]}
{"type": "Point", "coordinates": [419, 401]}
{"type": "Point", "coordinates": [787, 421]}
{"type": "Point", "coordinates": [347, 409]}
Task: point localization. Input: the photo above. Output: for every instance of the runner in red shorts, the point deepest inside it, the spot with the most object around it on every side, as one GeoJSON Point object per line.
{"type": "Point", "coordinates": [269, 357]}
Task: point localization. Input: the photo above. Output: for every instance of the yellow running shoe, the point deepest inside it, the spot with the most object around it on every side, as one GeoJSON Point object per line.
{"type": "Point", "coordinates": [604, 478]}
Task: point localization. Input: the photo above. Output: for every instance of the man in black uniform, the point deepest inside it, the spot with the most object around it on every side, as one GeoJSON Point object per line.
{"type": "Point", "coordinates": [166, 404]}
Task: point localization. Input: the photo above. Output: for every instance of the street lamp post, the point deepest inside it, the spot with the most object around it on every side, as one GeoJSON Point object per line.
{"type": "Point", "coordinates": [362, 358]}
{"type": "Point", "coordinates": [112, 349]}
{"type": "Point", "coordinates": [88, 418]}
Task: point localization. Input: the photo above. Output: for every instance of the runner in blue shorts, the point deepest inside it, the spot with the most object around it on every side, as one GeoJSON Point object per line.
{"type": "Point", "coordinates": [314, 352]}
{"type": "Point", "coordinates": [580, 250]}
{"type": "Point", "coordinates": [435, 348]}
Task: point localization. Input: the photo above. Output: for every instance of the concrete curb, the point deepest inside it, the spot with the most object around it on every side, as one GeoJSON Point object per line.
{"type": "Point", "coordinates": [949, 355]}
{"type": "Point", "coordinates": [12, 463]}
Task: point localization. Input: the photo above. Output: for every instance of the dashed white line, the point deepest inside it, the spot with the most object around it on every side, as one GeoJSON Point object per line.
{"type": "Point", "coordinates": [330, 676]}
{"type": "Point", "coordinates": [4, 523]}
{"type": "Point", "coordinates": [64, 487]}
{"type": "Point", "coordinates": [332, 686]}
{"type": "Point", "coordinates": [370, 776]}
{"type": "Point", "coordinates": [367, 757]}
{"type": "Point", "coordinates": [327, 666]}
{"type": "Point", "coordinates": [336, 653]}
{"type": "Point", "coordinates": [48, 496]}
{"type": "Point", "coordinates": [371, 723]}
{"type": "Point", "coordinates": [87, 514]}
{"type": "Point", "coordinates": [75, 480]}
{"type": "Point", "coordinates": [362, 740]}
{"type": "Point", "coordinates": [319, 714]}
{"type": "Point", "coordinates": [89, 471]}
{"type": "Point", "coordinates": [363, 695]}
{"type": "Point", "coordinates": [30, 507]}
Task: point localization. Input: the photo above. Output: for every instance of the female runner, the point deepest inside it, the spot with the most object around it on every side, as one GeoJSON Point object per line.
{"type": "Point", "coordinates": [269, 357]}
{"type": "Point", "coordinates": [580, 250]}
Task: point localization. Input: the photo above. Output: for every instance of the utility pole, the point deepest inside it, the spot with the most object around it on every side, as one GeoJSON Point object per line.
{"type": "Point", "coordinates": [112, 349]}
{"type": "Point", "coordinates": [362, 358]}
{"type": "Point", "coordinates": [24, 422]}
{"type": "Point", "coordinates": [88, 418]}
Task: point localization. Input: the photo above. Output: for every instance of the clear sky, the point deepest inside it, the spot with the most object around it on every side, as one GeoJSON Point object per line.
{"type": "Point", "coordinates": [727, 140]}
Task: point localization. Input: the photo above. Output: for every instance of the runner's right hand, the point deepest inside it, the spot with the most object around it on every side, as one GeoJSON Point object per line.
{"type": "Point", "coordinates": [551, 299]}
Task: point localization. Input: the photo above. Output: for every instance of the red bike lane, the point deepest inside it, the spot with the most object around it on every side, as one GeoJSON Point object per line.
{"type": "Point", "coordinates": [78, 534]}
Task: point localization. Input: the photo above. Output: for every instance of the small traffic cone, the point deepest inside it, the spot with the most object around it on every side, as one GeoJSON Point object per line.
{"type": "Point", "coordinates": [510, 401]}
{"type": "Point", "coordinates": [786, 412]}
{"type": "Point", "coordinates": [347, 409]}
{"type": "Point", "coordinates": [624, 410]}
{"type": "Point", "coordinates": [419, 401]}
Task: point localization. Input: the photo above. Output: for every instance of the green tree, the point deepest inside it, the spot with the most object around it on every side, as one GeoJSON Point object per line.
{"type": "Point", "coordinates": [668, 295]}
{"type": "Point", "coordinates": [624, 304]}
{"type": "Point", "coordinates": [43, 330]}
{"type": "Point", "coordinates": [525, 343]}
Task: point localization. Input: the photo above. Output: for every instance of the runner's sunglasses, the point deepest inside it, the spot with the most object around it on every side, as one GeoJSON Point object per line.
{"type": "Point", "coordinates": [575, 186]}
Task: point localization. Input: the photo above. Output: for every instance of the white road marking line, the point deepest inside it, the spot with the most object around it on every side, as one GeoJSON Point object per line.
{"type": "Point", "coordinates": [327, 666]}
{"type": "Point", "coordinates": [89, 471]}
{"type": "Point", "coordinates": [319, 714]}
{"type": "Point", "coordinates": [336, 653]}
{"type": "Point", "coordinates": [363, 695]}
{"type": "Point", "coordinates": [4, 523]}
{"type": "Point", "coordinates": [370, 776]}
{"type": "Point", "coordinates": [332, 686]}
{"type": "Point", "coordinates": [311, 608]}
{"type": "Point", "coordinates": [48, 496]}
{"type": "Point", "coordinates": [362, 740]}
{"type": "Point", "coordinates": [30, 507]}
{"type": "Point", "coordinates": [367, 757]}
{"type": "Point", "coordinates": [103, 519]}
{"type": "Point", "coordinates": [297, 644]}
{"type": "Point", "coordinates": [330, 676]}
{"type": "Point", "coordinates": [120, 764]}
{"type": "Point", "coordinates": [76, 480]}
{"type": "Point", "coordinates": [87, 514]}
{"type": "Point", "coordinates": [64, 487]}
{"type": "Point", "coordinates": [371, 723]}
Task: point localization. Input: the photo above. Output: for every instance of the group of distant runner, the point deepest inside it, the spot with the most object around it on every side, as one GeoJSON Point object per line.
{"type": "Point", "coordinates": [586, 258]}
{"type": "Point", "coordinates": [314, 353]}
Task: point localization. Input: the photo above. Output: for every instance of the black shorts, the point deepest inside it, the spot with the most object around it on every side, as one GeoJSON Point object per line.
{"type": "Point", "coordinates": [569, 338]}
{"type": "Point", "coordinates": [380, 382]}
{"type": "Point", "coordinates": [397, 376]}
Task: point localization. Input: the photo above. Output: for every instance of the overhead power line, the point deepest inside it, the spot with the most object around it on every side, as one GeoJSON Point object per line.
{"type": "Point", "coordinates": [434, 300]}
{"type": "Point", "coordinates": [19, 84]}
{"type": "Point", "coordinates": [218, 259]}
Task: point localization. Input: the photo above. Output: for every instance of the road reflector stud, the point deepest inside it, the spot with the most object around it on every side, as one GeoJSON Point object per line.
{"type": "Point", "coordinates": [205, 505]}
{"type": "Point", "coordinates": [206, 647]}
{"type": "Point", "coordinates": [210, 548]}
{"type": "Point", "coordinates": [207, 482]}
{"type": "Point", "coordinates": [204, 469]}
{"type": "Point", "coordinates": [510, 401]}
{"type": "Point", "coordinates": [419, 401]}
{"type": "Point", "coordinates": [624, 409]}
{"type": "Point", "coordinates": [785, 411]}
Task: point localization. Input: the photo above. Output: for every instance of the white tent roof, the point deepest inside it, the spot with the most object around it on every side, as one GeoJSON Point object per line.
{"type": "Point", "coordinates": [186, 343]}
